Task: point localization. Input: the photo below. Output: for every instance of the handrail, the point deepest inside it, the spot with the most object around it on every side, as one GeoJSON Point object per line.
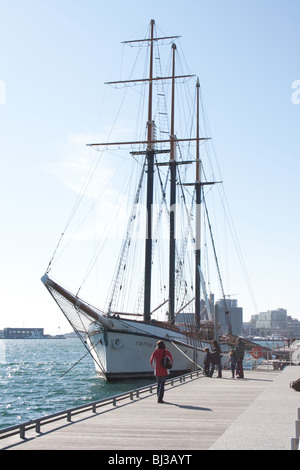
{"type": "Point", "coordinates": [37, 423]}
{"type": "Point", "coordinates": [295, 441]}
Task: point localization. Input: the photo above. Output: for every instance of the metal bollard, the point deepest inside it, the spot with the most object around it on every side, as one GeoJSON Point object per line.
{"type": "Point", "coordinates": [38, 427]}
{"type": "Point", "coordinates": [294, 443]}
{"type": "Point", "coordinates": [22, 432]}
{"type": "Point", "coordinates": [297, 428]}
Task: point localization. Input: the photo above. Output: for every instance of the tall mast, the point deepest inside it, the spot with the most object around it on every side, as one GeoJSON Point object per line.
{"type": "Point", "coordinates": [150, 155]}
{"type": "Point", "coordinates": [150, 174]}
{"type": "Point", "coordinates": [172, 201]}
{"type": "Point", "coordinates": [198, 217]}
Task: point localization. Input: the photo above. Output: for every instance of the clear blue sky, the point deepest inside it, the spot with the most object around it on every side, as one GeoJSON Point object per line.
{"type": "Point", "coordinates": [54, 59]}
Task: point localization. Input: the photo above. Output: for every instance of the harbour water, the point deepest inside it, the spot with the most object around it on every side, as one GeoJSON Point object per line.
{"type": "Point", "coordinates": [42, 376]}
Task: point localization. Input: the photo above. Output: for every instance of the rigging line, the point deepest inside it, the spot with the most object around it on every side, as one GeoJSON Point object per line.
{"type": "Point", "coordinates": [162, 185]}
{"type": "Point", "coordinates": [238, 249]}
{"type": "Point", "coordinates": [89, 211]}
{"type": "Point", "coordinates": [77, 309]}
{"type": "Point", "coordinates": [75, 207]}
{"type": "Point", "coordinates": [228, 213]}
{"type": "Point", "coordinates": [191, 360]}
{"type": "Point", "coordinates": [77, 362]}
{"type": "Point", "coordinates": [54, 253]}
{"type": "Point", "coordinates": [215, 254]}
{"type": "Point", "coordinates": [125, 245]}
{"type": "Point", "coordinates": [99, 249]}
{"type": "Point", "coordinates": [84, 188]}
{"type": "Point", "coordinates": [212, 154]}
{"type": "Point", "coordinates": [181, 263]}
{"type": "Point", "coordinates": [186, 105]}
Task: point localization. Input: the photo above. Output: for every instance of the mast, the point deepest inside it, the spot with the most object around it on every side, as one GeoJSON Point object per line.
{"type": "Point", "coordinates": [198, 218]}
{"type": "Point", "coordinates": [150, 174]}
{"type": "Point", "coordinates": [172, 201]}
{"type": "Point", "coordinates": [150, 152]}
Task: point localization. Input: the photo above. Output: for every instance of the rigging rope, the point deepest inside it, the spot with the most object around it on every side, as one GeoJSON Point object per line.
{"type": "Point", "coordinates": [88, 352]}
{"type": "Point", "coordinates": [75, 364]}
{"type": "Point", "coordinates": [218, 268]}
{"type": "Point", "coordinates": [84, 188]}
{"type": "Point", "coordinates": [191, 360]}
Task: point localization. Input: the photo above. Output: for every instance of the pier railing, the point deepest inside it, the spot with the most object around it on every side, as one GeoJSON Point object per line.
{"type": "Point", "coordinates": [36, 424]}
{"type": "Point", "coordinates": [295, 441]}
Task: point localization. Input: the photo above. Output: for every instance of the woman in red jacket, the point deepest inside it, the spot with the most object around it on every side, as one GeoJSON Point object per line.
{"type": "Point", "coordinates": [160, 372]}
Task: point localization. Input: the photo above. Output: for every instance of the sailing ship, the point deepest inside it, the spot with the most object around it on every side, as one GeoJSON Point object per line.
{"type": "Point", "coordinates": [181, 312]}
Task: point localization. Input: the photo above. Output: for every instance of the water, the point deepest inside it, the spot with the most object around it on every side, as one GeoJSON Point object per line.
{"type": "Point", "coordinates": [33, 384]}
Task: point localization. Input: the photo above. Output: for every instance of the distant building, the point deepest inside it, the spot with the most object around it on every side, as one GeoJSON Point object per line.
{"type": "Point", "coordinates": [235, 316]}
{"type": "Point", "coordinates": [23, 333]}
{"type": "Point", "coordinates": [274, 322]}
{"type": "Point", "coordinates": [218, 310]}
{"type": "Point", "coordinates": [293, 325]}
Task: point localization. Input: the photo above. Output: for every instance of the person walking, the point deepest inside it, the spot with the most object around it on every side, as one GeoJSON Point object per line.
{"type": "Point", "coordinates": [240, 352]}
{"type": "Point", "coordinates": [160, 372]}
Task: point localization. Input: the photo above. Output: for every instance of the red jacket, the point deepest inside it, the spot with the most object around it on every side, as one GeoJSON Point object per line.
{"type": "Point", "coordinates": [155, 361]}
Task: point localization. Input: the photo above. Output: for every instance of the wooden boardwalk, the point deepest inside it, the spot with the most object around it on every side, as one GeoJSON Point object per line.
{"type": "Point", "coordinates": [258, 412]}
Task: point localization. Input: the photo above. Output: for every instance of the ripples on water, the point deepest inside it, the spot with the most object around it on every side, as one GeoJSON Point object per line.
{"type": "Point", "coordinates": [33, 384]}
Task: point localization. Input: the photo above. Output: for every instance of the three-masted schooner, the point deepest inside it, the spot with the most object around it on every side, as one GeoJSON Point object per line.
{"type": "Point", "coordinates": [120, 342]}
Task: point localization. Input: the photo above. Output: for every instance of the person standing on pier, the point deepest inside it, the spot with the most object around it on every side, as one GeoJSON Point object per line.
{"type": "Point", "coordinates": [160, 372]}
{"type": "Point", "coordinates": [207, 361]}
{"type": "Point", "coordinates": [240, 352]}
{"type": "Point", "coordinates": [216, 359]}
{"type": "Point", "coordinates": [232, 358]}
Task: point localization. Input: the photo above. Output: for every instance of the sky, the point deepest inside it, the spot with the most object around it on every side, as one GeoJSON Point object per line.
{"type": "Point", "coordinates": [56, 55]}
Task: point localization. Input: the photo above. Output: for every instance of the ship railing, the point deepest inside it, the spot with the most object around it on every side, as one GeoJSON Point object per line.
{"type": "Point", "coordinates": [37, 423]}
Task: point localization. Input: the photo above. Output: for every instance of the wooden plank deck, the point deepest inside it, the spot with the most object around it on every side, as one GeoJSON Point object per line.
{"type": "Point", "coordinates": [201, 414]}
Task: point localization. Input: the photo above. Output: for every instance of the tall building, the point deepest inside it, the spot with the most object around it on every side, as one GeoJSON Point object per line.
{"type": "Point", "coordinates": [235, 316]}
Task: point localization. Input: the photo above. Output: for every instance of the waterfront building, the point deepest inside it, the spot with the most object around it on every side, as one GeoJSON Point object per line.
{"type": "Point", "coordinates": [273, 322]}
{"type": "Point", "coordinates": [23, 333]}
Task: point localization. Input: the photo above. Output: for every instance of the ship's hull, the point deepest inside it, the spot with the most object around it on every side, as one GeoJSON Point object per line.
{"type": "Point", "coordinates": [121, 349]}
{"type": "Point", "coordinates": [124, 351]}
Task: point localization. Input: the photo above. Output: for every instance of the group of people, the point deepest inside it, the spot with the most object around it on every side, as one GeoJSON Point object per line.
{"type": "Point", "coordinates": [213, 358]}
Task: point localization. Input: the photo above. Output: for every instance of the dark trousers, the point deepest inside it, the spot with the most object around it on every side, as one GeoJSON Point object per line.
{"type": "Point", "coordinates": [219, 366]}
{"type": "Point", "coordinates": [161, 386]}
{"type": "Point", "coordinates": [239, 368]}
